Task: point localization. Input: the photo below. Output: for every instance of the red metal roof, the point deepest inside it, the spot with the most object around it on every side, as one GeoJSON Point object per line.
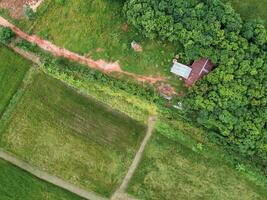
{"type": "Point", "coordinates": [200, 68]}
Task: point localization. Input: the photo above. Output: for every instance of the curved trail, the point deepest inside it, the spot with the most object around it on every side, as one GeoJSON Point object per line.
{"type": "Point", "coordinates": [49, 178]}
{"type": "Point", "coordinates": [100, 65]}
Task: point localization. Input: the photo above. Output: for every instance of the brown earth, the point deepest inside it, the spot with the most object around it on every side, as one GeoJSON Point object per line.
{"type": "Point", "coordinates": [15, 7]}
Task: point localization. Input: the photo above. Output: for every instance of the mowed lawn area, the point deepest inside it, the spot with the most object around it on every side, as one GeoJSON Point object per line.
{"type": "Point", "coordinates": [17, 184]}
{"type": "Point", "coordinates": [71, 136]}
{"type": "Point", "coordinates": [12, 71]}
{"type": "Point", "coordinates": [97, 28]}
{"type": "Point", "coordinates": [250, 9]}
{"type": "Point", "coordinates": [171, 171]}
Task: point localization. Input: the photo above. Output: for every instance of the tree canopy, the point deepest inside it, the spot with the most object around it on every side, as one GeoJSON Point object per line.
{"type": "Point", "coordinates": [231, 101]}
{"type": "Point", "coordinates": [6, 35]}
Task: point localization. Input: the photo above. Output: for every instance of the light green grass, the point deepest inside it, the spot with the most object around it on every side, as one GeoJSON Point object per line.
{"type": "Point", "coordinates": [170, 170]}
{"type": "Point", "coordinates": [12, 71]}
{"type": "Point", "coordinates": [250, 9]}
{"type": "Point", "coordinates": [85, 26]}
{"type": "Point", "coordinates": [72, 136]}
{"type": "Point", "coordinates": [16, 184]}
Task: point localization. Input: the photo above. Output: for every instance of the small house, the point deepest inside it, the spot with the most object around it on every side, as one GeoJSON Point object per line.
{"type": "Point", "coordinates": [192, 74]}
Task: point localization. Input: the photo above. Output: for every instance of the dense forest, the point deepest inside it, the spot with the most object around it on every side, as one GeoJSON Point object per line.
{"type": "Point", "coordinates": [231, 102]}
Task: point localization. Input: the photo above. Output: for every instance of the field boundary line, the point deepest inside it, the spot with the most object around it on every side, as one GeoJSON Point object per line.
{"type": "Point", "coordinates": [26, 54]}
{"type": "Point", "coordinates": [48, 177]}
{"type": "Point", "coordinates": [121, 190]}
{"type": "Point", "coordinates": [8, 110]}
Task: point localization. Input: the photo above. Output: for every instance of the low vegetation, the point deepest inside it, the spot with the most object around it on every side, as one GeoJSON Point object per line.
{"type": "Point", "coordinates": [12, 71]}
{"type": "Point", "coordinates": [170, 170]}
{"type": "Point", "coordinates": [71, 136]}
{"type": "Point", "coordinates": [250, 9]}
{"type": "Point", "coordinates": [101, 35]}
{"type": "Point", "coordinates": [17, 184]}
{"type": "Point", "coordinates": [125, 96]}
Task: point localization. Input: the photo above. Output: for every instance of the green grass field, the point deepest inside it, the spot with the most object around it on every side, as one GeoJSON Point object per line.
{"type": "Point", "coordinates": [71, 136]}
{"type": "Point", "coordinates": [171, 171]}
{"type": "Point", "coordinates": [12, 71]}
{"type": "Point", "coordinates": [97, 28]}
{"type": "Point", "coordinates": [16, 184]}
{"type": "Point", "coordinates": [250, 9]}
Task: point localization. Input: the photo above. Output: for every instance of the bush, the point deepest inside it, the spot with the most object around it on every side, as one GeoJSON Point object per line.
{"type": "Point", "coordinates": [28, 12]}
{"type": "Point", "coordinates": [6, 35]}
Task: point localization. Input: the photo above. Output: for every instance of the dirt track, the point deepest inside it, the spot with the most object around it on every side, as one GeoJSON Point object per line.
{"type": "Point", "coordinates": [120, 193]}
{"type": "Point", "coordinates": [100, 65]}
{"type": "Point", "coordinates": [49, 178]}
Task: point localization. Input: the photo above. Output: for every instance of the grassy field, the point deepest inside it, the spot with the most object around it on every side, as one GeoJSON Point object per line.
{"type": "Point", "coordinates": [250, 9]}
{"type": "Point", "coordinates": [16, 184]}
{"type": "Point", "coordinates": [71, 136]}
{"type": "Point", "coordinates": [12, 71]}
{"type": "Point", "coordinates": [97, 28]}
{"type": "Point", "coordinates": [170, 171]}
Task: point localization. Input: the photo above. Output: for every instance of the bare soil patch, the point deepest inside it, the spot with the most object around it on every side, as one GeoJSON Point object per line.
{"type": "Point", "coordinates": [15, 7]}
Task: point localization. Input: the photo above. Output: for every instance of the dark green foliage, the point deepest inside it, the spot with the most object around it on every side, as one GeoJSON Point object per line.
{"type": "Point", "coordinates": [145, 91]}
{"type": "Point", "coordinates": [198, 25]}
{"type": "Point", "coordinates": [6, 35]}
{"type": "Point", "coordinates": [231, 102]}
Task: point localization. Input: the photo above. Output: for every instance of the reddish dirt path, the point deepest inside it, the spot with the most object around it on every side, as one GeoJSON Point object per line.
{"type": "Point", "coordinates": [100, 65]}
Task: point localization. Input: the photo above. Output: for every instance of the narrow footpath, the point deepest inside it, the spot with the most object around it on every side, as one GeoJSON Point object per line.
{"type": "Point", "coordinates": [101, 65]}
{"type": "Point", "coordinates": [120, 194]}
{"type": "Point", "coordinates": [49, 178]}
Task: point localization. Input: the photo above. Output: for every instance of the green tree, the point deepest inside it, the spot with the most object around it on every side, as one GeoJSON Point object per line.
{"type": "Point", "coordinates": [6, 35]}
{"type": "Point", "coordinates": [231, 101]}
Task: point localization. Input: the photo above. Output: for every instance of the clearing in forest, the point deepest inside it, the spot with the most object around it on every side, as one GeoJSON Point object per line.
{"type": "Point", "coordinates": [18, 184]}
{"type": "Point", "coordinates": [12, 71]}
{"type": "Point", "coordinates": [98, 29]}
{"type": "Point", "coordinates": [71, 136]}
{"type": "Point", "coordinates": [170, 170]}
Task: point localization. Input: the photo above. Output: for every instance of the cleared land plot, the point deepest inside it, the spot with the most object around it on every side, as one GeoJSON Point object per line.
{"type": "Point", "coordinates": [17, 184]}
{"type": "Point", "coordinates": [97, 28]}
{"type": "Point", "coordinates": [251, 9]}
{"type": "Point", "coordinates": [171, 171]}
{"type": "Point", "coordinates": [15, 7]}
{"type": "Point", "coordinates": [12, 71]}
{"type": "Point", "coordinates": [71, 136]}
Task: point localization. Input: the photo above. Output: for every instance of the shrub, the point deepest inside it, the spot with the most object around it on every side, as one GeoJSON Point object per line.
{"type": "Point", "coordinates": [28, 12]}
{"type": "Point", "coordinates": [6, 35]}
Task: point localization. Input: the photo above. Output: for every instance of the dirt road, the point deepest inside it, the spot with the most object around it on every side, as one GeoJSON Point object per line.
{"type": "Point", "coordinates": [49, 178]}
{"type": "Point", "coordinates": [100, 65]}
